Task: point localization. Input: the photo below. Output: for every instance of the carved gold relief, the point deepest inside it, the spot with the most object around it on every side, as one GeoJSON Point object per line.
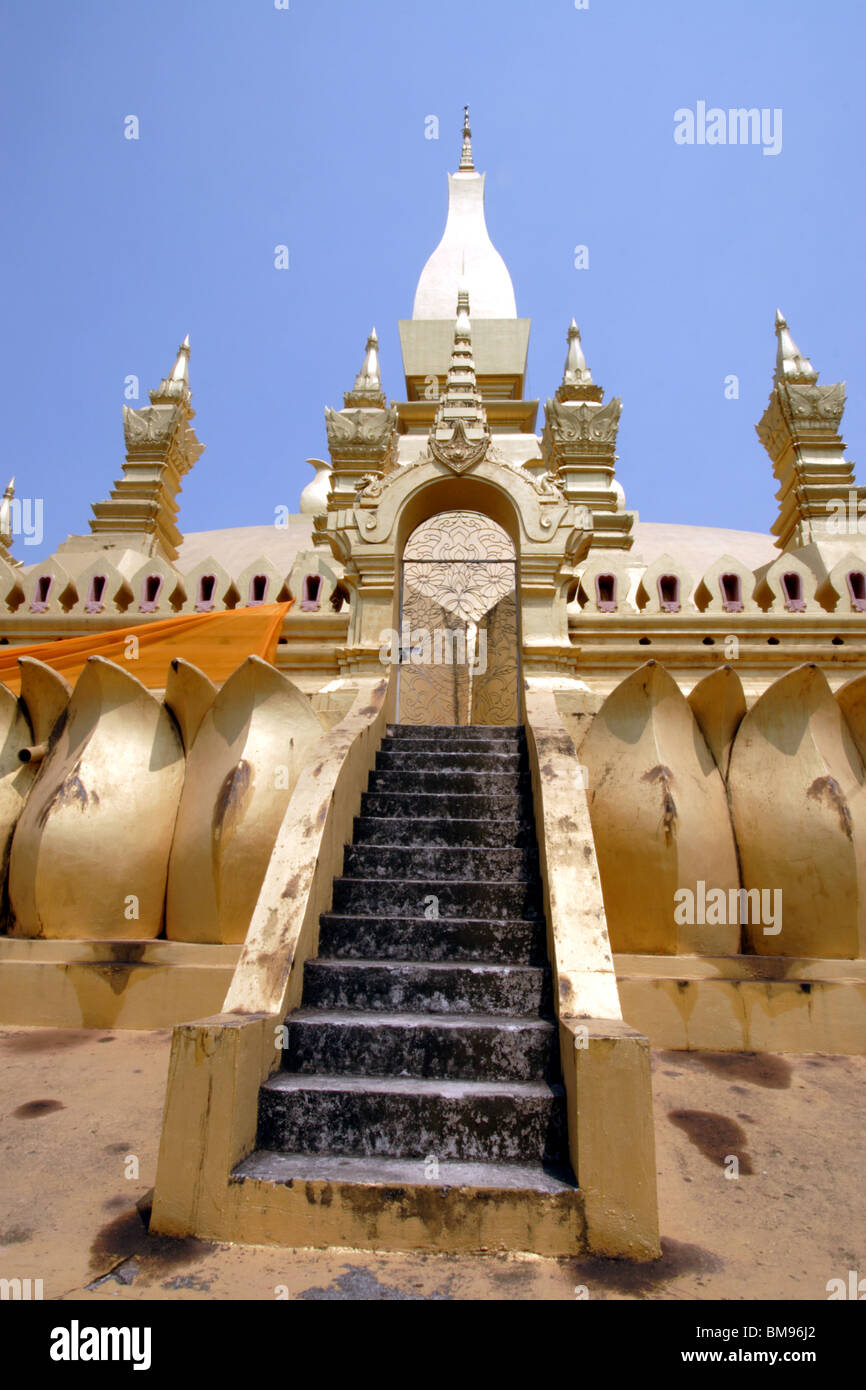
{"type": "Point", "coordinates": [459, 624]}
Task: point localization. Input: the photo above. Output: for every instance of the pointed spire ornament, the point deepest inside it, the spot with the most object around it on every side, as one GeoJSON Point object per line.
{"type": "Point", "coordinates": [790, 364]}
{"type": "Point", "coordinates": [577, 383]}
{"type": "Point", "coordinates": [175, 386]}
{"type": "Point", "coordinates": [467, 165]}
{"type": "Point", "coordinates": [576, 371]}
{"type": "Point", "coordinates": [161, 447]}
{"type": "Point", "coordinates": [180, 370]}
{"type": "Point", "coordinates": [578, 446]}
{"type": "Point", "coordinates": [460, 436]}
{"type": "Point", "coordinates": [6, 519]}
{"type": "Point", "coordinates": [367, 390]}
{"type": "Point", "coordinates": [368, 377]}
{"type": "Point", "coordinates": [800, 431]}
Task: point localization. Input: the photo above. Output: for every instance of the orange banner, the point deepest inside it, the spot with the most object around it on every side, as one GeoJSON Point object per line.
{"type": "Point", "coordinates": [215, 642]}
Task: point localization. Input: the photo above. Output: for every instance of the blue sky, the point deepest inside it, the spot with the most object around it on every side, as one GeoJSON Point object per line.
{"type": "Point", "coordinates": [305, 126]}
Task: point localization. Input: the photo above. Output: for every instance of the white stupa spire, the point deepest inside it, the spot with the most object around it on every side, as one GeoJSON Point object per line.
{"type": "Point", "coordinates": [465, 243]}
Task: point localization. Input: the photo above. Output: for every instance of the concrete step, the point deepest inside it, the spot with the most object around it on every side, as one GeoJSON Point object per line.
{"type": "Point", "coordinates": [445, 760]}
{"type": "Point", "coordinates": [398, 1117]}
{"type": "Point", "coordinates": [270, 1166]}
{"type": "Point", "coordinates": [518, 991]}
{"type": "Point", "coordinates": [444, 832]}
{"type": "Point", "coordinates": [494, 784]}
{"type": "Point", "coordinates": [344, 1042]}
{"type": "Point", "coordinates": [359, 936]}
{"type": "Point", "coordinates": [511, 803]}
{"type": "Point", "coordinates": [380, 1203]}
{"type": "Point", "coordinates": [440, 863]}
{"type": "Point", "coordinates": [454, 732]}
{"type": "Point", "coordinates": [514, 746]}
{"type": "Point", "coordinates": [449, 899]}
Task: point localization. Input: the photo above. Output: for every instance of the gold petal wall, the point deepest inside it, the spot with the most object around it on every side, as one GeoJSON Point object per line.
{"type": "Point", "coordinates": [797, 793]}
{"type": "Point", "coordinates": [241, 769]}
{"type": "Point", "coordinates": [851, 698]}
{"type": "Point", "coordinates": [45, 694]}
{"type": "Point", "coordinates": [90, 851]}
{"type": "Point", "coordinates": [114, 836]}
{"type": "Point", "coordinates": [719, 704]}
{"type": "Point", "coordinates": [16, 778]}
{"type": "Point", "coordinates": [659, 817]}
{"type": "Point", "coordinates": [189, 694]}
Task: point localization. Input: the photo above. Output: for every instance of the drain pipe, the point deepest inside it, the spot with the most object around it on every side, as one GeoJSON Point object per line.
{"type": "Point", "coordinates": [34, 754]}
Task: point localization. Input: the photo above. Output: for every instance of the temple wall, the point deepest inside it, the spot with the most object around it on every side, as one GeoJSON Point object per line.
{"type": "Point", "coordinates": [700, 774]}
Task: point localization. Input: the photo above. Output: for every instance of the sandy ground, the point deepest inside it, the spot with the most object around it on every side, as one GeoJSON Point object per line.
{"type": "Point", "coordinates": [81, 1115]}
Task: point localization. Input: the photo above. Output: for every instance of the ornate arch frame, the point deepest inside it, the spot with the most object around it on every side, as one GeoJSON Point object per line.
{"type": "Point", "coordinates": [550, 535]}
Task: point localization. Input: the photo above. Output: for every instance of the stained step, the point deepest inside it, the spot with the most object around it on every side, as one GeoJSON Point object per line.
{"type": "Point", "coordinates": [446, 898]}
{"type": "Point", "coordinates": [512, 746]}
{"type": "Point", "coordinates": [424, 987]}
{"type": "Point", "coordinates": [454, 732]}
{"type": "Point", "coordinates": [434, 862]}
{"type": "Point", "coordinates": [440, 831]}
{"type": "Point", "coordinates": [466, 1121]}
{"type": "Point", "coordinates": [446, 761]}
{"type": "Point", "coordinates": [472, 783]}
{"type": "Point", "coordinates": [268, 1166]}
{"type": "Point", "coordinates": [407, 805]}
{"type": "Point", "coordinates": [343, 1042]}
{"type": "Point", "coordinates": [359, 936]}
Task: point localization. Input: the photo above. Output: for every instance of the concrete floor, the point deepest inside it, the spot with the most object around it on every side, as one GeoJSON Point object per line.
{"type": "Point", "coordinates": [81, 1110]}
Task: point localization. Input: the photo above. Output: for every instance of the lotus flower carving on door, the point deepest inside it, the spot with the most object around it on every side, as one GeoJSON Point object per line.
{"type": "Point", "coordinates": [459, 623]}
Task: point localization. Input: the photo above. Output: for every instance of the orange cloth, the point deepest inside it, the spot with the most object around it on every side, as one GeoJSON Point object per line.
{"type": "Point", "coordinates": [215, 642]}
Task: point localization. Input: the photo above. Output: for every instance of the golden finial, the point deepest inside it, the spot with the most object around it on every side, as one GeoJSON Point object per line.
{"type": "Point", "coordinates": [791, 365]}
{"type": "Point", "coordinates": [576, 371]}
{"type": "Point", "coordinates": [466, 164]}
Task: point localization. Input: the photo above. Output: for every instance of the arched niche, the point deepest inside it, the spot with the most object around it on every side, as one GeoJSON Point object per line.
{"type": "Point", "coordinates": [472, 494]}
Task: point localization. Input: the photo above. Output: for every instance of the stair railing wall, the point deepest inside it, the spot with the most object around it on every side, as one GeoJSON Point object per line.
{"type": "Point", "coordinates": [218, 1064]}
{"type": "Point", "coordinates": [605, 1063]}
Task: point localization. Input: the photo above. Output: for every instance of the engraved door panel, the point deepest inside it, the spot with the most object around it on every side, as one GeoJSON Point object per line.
{"type": "Point", "coordinates": [458, 628]}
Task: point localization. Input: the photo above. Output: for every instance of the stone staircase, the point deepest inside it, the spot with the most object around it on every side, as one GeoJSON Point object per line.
{"type": "Point", "coordinates": [423, 1066]}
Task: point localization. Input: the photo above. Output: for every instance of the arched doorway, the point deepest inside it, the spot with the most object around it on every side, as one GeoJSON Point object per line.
{"type": "Point", "coordinates": [459, 649]}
